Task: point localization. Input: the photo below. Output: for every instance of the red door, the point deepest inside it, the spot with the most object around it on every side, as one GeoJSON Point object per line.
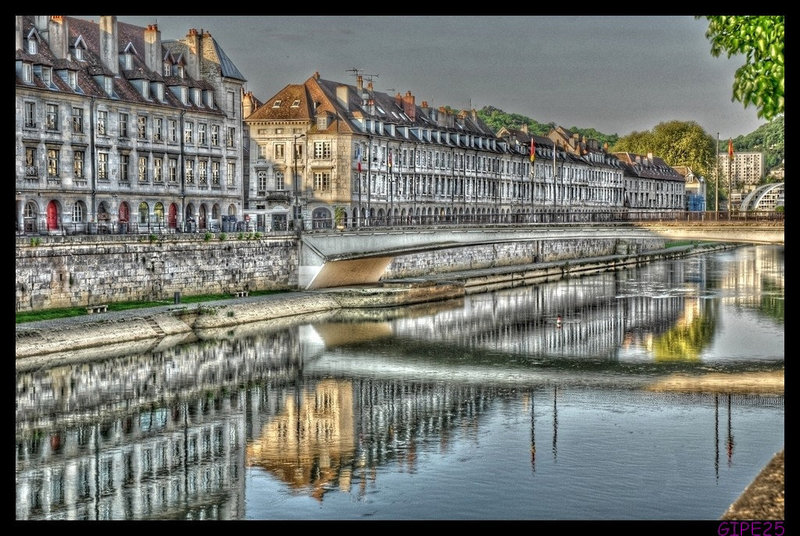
{"type": "Point", "coordinates": [173, 216]}
{"type": "Point", "coordinates": [52, 216]}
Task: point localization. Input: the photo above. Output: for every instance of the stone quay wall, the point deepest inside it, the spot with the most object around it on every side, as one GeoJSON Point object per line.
{"type": "Point", "coordinates": [73, 271]}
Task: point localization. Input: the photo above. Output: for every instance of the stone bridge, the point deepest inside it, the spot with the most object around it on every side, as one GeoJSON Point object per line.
{"type": "Point", "coordinates": [351, 257]}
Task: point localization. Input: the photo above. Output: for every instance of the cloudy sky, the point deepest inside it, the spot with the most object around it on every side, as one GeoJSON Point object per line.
{"type": "Point", "coordinates": [616, 74]}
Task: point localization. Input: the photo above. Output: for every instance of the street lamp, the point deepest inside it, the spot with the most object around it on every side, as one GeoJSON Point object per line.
{"type": "Point", "coordinates": [296, 182]}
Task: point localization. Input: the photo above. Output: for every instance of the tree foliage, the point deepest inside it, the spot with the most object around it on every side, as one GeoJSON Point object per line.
{"type": "Point", "coordinates": [678, 143]}
{"type": "Point", "coordinates": [760, 81]}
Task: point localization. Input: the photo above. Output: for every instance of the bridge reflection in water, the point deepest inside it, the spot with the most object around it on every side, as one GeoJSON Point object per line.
{"type": "Point", "coordinates": [172, 434]}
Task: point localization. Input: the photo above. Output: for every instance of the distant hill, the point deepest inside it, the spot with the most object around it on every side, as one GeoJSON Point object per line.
{"type": "Point", "coordinates": [767, 138]}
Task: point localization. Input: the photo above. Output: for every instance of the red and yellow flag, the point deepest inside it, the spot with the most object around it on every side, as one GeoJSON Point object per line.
{"type": "Point", "coordinates": [533, 150]}
{"type": "Point", "coordinates": [730, 148]}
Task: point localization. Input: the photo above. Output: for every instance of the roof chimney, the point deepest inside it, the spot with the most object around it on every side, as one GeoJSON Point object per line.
{"type": "Point", "coordinates": [109, 45]}
{"type": "Point", "coordinates": [409, 108]}
{"type": "Point", "coordinates": [59, 36]}
{"type": "Point", "coordinates": [194, 42]}
{"type": "Point", "coordinates": [152, 48]}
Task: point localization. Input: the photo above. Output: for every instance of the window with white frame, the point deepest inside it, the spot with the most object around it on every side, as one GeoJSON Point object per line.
{"type": "Point", "coordinates": [144, 212]}
{"type": "Point", "coordinates": [33, 46]}
{"type": "Point", "coordinates": [322, 181]}
{"type": "Point", "coordinates": [142, 169]}
{"type": "Point", "coordinates": [47, 76]}
{"type": "Point", "coordinates": [262, 151]}
{"type": "Point", "coordinates": [72, 79]}
{"type": "Point", "coordinates": [79, 53]}
{"type": "Point", "coordinates": [215, 173]}
{"type": "Point", "coordinates": [280, 181]}
{"type": "Point", "coordinates": [158, 169]}
{"type": "Point", "coordinates": [279, 152]}
{"type": "Point", "coordinates": [108, 85]}
{"type": "Point", "coordinates": [77, 120]}
{"type": "Point", "coordinates": [322, 149]}
{"type": "Point", "coordinates": [215, 135]}
{"type": "Point", "coordinates": [51, 120]}
{"type": "Point", "coordinates": [124, 164]}
{"type": "Point", "coordinates": [78, 158]}
{"type": "Point", "coordinates": [141, 127]}
{"type": "Point", "coordinates": [202, 172]}
{"type": "Point", "coordinates": [102, 166]}
{"type": "Point", "coordinates": [30, 162]}
{"type": "Point", "coordinates": [173, 131]}
{"type": "Point", "coordinates": [123, 125]}
{"type": "Point", "coordinates": [262, 182]}
{"type": "Point", "coordinates": [229, 139]}
{"type": "Point", "coordinates": [102, 122]}
{"type": "Point", "coordinates": [27, 73]}
{"type": "Point", "coordinates": [167, 69]}
{"type": "Point", "coordinates": [231, 178]}
{"type": "Point", "coordinates": [188, 131]}
{"type": "Point", "coordinates": [78, 212]}
{"type": "Point", "coordinates": [158, 129]}
{"type": "Point", "coordinates": [53, 163]}
{"type": "Point", "coordinates": [201, 134]}
{"type": "Point", "coordinates": [181, 71]}
{"type": "Point", "coordinates": [173, 170]}
{"type": "Point", "coordinates": [189, 170]}
{"type": "Point", "coordinates": [30, 114]}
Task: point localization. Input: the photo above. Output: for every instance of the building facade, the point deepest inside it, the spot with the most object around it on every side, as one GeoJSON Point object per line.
{"type": "Point", "coordinates": [651, 186]}
{"type": "Point", "coordinates": [327, 154]}
{"type": "Point", "coordinates": [119, 131]}
{"type": "Point", "coordinates": [742, 172]}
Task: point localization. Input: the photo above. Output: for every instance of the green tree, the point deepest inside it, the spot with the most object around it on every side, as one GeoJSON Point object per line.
{"type": "Point", "coordinates": [760, 81]}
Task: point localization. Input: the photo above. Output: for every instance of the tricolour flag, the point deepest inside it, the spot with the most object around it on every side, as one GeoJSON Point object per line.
{"type": "Point", "coordinates": [533, 150]}
{"type": "Point", "coordinates": [390, 158]}
{"type": "Point", "coordinates": [358, 157]}
{"type": "Point", "coordinates": [730, 148]}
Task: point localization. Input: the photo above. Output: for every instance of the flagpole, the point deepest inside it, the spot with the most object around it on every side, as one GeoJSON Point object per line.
{"type": "Point", "coordinates": [716, 174]}
{"type": "Point", "coordinates": [730, 184]}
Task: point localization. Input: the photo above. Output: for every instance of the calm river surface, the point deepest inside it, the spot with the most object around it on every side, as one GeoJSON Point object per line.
{"type": "Point", "coordinates": [535, 403]}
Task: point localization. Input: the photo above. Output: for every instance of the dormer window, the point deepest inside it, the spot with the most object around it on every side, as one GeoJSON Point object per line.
{"type": "Point", "coordinates": [27, 73]}
{"type": "Point", "coordinates": [196, 97]}
{"type": "Point", "coordinates": [167, 69]}
{"type": "Point", "coordinates": [72, 79]}
{"type": "Point", "coordinates": [127, 61]}
{"type": "Point", "coordinates": [159, 91]}
{"type": "Point", "coordinates": [145, 89]}
{"type": "Point", "coordinates": [79, 53]}
{"type": "Point", "coordinates": [108, 85]}
{"type": "Point", "coordinates": [209, 95]}
{"type": "Point", "coordinates": [47, 76]}
{"type": "Point", "coordinates": [33, 46]}
{"type": "Point", "coordinates": [276, 104]}
{"type": "Point", "coordinates": [296, 103]}
{"type": "Point", "coordinates": [181, 71]}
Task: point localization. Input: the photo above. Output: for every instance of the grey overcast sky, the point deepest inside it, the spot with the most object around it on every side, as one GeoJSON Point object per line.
{"type": "Point", "coordinates": [616, 74]}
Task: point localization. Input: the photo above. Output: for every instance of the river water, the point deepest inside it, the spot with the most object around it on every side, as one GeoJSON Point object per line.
{"type": "Point", "coordinates": [535, 403]}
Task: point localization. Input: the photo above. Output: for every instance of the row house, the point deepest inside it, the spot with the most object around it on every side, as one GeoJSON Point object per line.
{"type": "Point", "coordinates": [117, 130]}
{"type": "Point", "coordinates": [325, 153]}
{"type": "Point", "coordinates": [651, 185]}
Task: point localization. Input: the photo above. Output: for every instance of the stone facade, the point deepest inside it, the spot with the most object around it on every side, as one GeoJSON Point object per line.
{"type": "Point", "coordinates": [77, 271]}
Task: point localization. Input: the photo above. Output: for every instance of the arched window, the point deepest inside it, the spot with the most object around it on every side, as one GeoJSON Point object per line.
{"type": "Point", "coordinates": [144, 212]}
{"type": "Point", "coordinates": [78, 212]}
{"type": "Point", "coordinates": [30, 210]}
{"type": "Point", "coordinates": [158, 212]}
{"type": "Point", "coordinates": [321, 219]}
{"type": "Point", "coordinates": [215, 212]}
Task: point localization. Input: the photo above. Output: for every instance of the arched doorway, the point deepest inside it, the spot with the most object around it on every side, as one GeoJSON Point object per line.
{"type": "Point", "coordinates": [52, 216]}
{"type": "Point", "coordinates": [201, 220]}
{"type": "Point", "coordinates": [124, 216]}
{"type": "Point", "coordinates": [173, 216]}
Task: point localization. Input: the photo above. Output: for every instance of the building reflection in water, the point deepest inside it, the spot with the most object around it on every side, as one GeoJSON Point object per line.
{"type": "Point", "coordinates": [170, 434]}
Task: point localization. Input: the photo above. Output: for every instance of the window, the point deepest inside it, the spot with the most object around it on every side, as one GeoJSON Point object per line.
{"type": "Point", "coordinates": [262, 182]}
{"type": "Point", "coordinates": [141, 128]}
{"type": "Point", "coordinates": [30, 162]}
{"type": "Point", "coordinates": [231, 101]}
{"type": "Point", "coordinates": [108, 85]}
{"type": "Point", "coordinates": [196, 97]}
{"type": "Point", "coordinates": [173, 170]}
{"type": "Point", "coordinates": [51, 121]}
{"type": "Point", "coordinates": [296, 103]}
{"type": "Point", "coordinates": [158, 129]}
{"type": "Point", "coordinates": [27, 72]}
{"type": "Point", "coordinates": [322, 181]}
{"type": "Point", "coordinates": [167, 69]}
{"type": "Point", "coordinates": [123, 125]}
{"type": "Point", "coordinates": [79, 53]}
{"type": "Point", "coordinates": [102, 121]}
{"type": "Point", "coordinates": [144, 212]}
{"type": "Point", "coordinates": [279, 151]}
{"type": "Point", "coordinates": [77, 164]}
{"type": "Point", "coordinates": [173, 131]}
{"type": "Point", "coordinates": [276, 104]}
{"type": "Point", "coordinates": [262, 151]}
{"type": "Point", "coordinates": [102, 166]}
{"type": "Point", "coordinates": [215, 135]}
{"type": "Point", "coordinates": [181, 71]}
{"type": "Point", "coordinates": [215, 173]}
{"type": "Point", "coordinates": [280, 184]}
{"type": "Point", "coordinates": [127, 61]}
{"type": "Point", "coordinates": [202, 172]}
{"type": "Point", "coordinates": [124, 162]}
{"type": "Point", "coordinates": [77, 120]}
{"type": "Point", "coordinates": [53, 162]}
{"type": "Point", "coordinates": [322, 149]}
{"type": "Point", "coordinates": [30, 115]}
{"type": "Point", "coordinates": [158, 169]}
{"type": "Point", "coordinates": [47, 76]}
{"type": "Point", "coordinates": [72, 79]}
{"type": "Point", "coordinates": [201, 134]}
{"type": "Point", "coordinates": [142, 169]}
{"type": "Point", "coordinates": [188, 130]}
{"type": "Point", "coordinates": [33, 46]}
{"type": "Point", "coordinates": [230, 137]}
{"type": "Point", "coordinates": [231, 174]}
{"type": "Point", "coordinates": [189, 171]}
{"type": "Point", "coordinates": [160, 91]}
{"type": "Point", "coordinates": [78, 212]}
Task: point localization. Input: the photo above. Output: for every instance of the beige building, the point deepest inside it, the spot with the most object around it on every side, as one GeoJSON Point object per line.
{"type": "Point", "coordinates": [743, 171]}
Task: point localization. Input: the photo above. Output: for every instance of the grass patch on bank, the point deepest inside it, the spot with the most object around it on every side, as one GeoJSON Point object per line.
{"type": "Point", "coordinates": [67, 312]}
